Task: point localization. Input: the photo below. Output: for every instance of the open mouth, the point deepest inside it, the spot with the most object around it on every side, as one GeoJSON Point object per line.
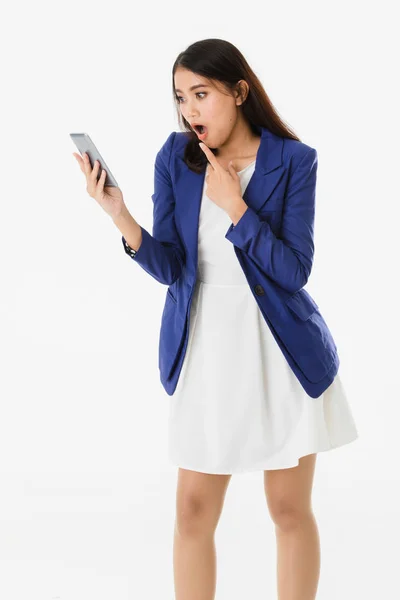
{"type": "Point", "coordinates": [200, 128]}
{"type": "Point", "coordinates": [201, 131]}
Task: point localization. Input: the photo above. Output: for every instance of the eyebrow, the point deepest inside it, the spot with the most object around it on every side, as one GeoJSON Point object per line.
{"type": "Point", "coordinates": [194, 87]}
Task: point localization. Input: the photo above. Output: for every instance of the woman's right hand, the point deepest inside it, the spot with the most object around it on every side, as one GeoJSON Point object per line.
{"type": "Point", "coordinates": [109, 197]}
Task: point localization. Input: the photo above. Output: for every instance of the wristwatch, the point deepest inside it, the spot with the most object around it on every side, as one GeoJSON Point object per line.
{"type": "Point", "coordinates": [128, 249]}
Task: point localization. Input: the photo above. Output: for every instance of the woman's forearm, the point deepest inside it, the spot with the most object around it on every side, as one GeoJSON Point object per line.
{"type": "Point", "coordinates": [129, 228]}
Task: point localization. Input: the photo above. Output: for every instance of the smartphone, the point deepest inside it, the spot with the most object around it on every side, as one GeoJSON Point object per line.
{"type": "Point", "coordinates": [84, 144]}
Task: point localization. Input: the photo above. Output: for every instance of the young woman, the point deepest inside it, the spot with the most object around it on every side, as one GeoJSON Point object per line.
{"type": "Point", "coordinates": [244, 352]}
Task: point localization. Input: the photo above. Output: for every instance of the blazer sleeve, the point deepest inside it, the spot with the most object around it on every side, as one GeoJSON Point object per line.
{"type": "Point", "coordinates": [161, 253]}
{"type": "Point", "coordinates": [286, 259]}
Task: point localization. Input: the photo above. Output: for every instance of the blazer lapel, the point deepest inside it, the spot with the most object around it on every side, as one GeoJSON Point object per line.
{"type": "Point", "coordinates": [189, 189]}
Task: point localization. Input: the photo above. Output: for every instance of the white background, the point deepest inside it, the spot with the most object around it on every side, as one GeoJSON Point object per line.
{"type": "Point", "coordinates": [87, 495]}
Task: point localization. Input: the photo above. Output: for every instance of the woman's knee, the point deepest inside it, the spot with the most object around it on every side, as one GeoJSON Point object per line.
{"type": "Point", "coordinates": [288, 515]}
{"type": "Point", "coordinates": [199, 502]}
{"type": "Point", "coordinates": [289, 492]}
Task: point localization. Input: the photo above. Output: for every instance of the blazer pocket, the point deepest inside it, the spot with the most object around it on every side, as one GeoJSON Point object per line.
{"type": "Point", "coordinates": [302, 304]}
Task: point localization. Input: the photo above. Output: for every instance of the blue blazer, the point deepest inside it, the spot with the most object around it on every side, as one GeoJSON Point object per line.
{"type": "Point", "coordinates": [273, 242]}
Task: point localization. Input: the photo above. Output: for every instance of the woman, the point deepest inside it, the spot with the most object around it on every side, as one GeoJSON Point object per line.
{"type": "Point", "coordinates": [236, 209]}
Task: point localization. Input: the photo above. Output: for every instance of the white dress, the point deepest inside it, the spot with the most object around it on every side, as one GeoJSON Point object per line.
{"type": "Point", "coordinates": [238, 406]}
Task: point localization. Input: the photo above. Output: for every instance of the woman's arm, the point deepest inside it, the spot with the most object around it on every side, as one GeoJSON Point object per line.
{"type": "Point", "coordinates": [130, 229]}
{"type": "Point", "coordinates": [161, 254]}
{"type": "Point", "coordinates": [287, 260]}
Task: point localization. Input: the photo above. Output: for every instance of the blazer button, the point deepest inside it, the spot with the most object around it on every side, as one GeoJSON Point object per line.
{"type": "Point", "coordinates": [259, 290]}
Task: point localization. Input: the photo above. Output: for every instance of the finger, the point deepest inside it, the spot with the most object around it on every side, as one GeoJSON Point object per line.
{"type": "Point", "coordinates": [100, 183]}
{"type": "Point", "coordinates": [86, 165]}
{"type": "Point", "coordinates": [91, 176]}
{"type": "Point", "coordinates": [95, 171]}
{"type": "Point", "coordinates": [210, 156]}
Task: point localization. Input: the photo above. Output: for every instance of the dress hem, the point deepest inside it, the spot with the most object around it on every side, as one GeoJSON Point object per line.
{"type": "Point", "coordinates": [250, 470]}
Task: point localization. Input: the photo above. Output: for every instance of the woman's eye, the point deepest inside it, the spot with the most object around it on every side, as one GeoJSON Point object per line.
{"type": "Point", "coordinates": [179, 97]}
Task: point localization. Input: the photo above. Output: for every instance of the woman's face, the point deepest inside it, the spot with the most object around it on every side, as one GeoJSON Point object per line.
{"type": "Point", "coordinates": [208, 104]}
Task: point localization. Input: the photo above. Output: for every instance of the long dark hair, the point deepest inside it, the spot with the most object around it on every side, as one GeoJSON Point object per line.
{"type": "Point", "coordinates": [217, 59]}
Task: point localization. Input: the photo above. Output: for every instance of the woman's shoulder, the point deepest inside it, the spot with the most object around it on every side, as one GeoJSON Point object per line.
{"type": "Point", "coordinates": [296, 148]}
{"type": "Point", "coordinates": [295, 152]}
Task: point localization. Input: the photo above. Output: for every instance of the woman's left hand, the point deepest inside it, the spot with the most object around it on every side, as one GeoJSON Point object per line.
{"type": "Point", "coordinates": [223, 187]}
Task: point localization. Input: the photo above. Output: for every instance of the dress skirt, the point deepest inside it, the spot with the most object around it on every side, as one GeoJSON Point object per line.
{"type": "Point", "coordinates": [238, 406]}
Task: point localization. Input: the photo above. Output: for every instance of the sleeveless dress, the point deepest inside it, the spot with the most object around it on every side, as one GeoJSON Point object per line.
{"type": "Point", "coordinates": [238, 406]}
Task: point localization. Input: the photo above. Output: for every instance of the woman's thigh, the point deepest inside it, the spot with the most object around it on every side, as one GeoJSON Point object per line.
{"type": "Point", "coordinates": [199, 500]}
{"type": "Point", "coordinates": [289, 492]}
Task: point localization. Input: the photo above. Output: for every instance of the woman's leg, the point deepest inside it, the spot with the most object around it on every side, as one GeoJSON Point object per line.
{"type": "Point", "coordinates": [288, 493]}
{"type": "Point", "coordinates": [199, 502]}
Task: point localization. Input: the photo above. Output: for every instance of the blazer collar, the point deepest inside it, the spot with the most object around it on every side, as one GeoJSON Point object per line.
{"type": "Point", "coordinates": [188, 186]}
